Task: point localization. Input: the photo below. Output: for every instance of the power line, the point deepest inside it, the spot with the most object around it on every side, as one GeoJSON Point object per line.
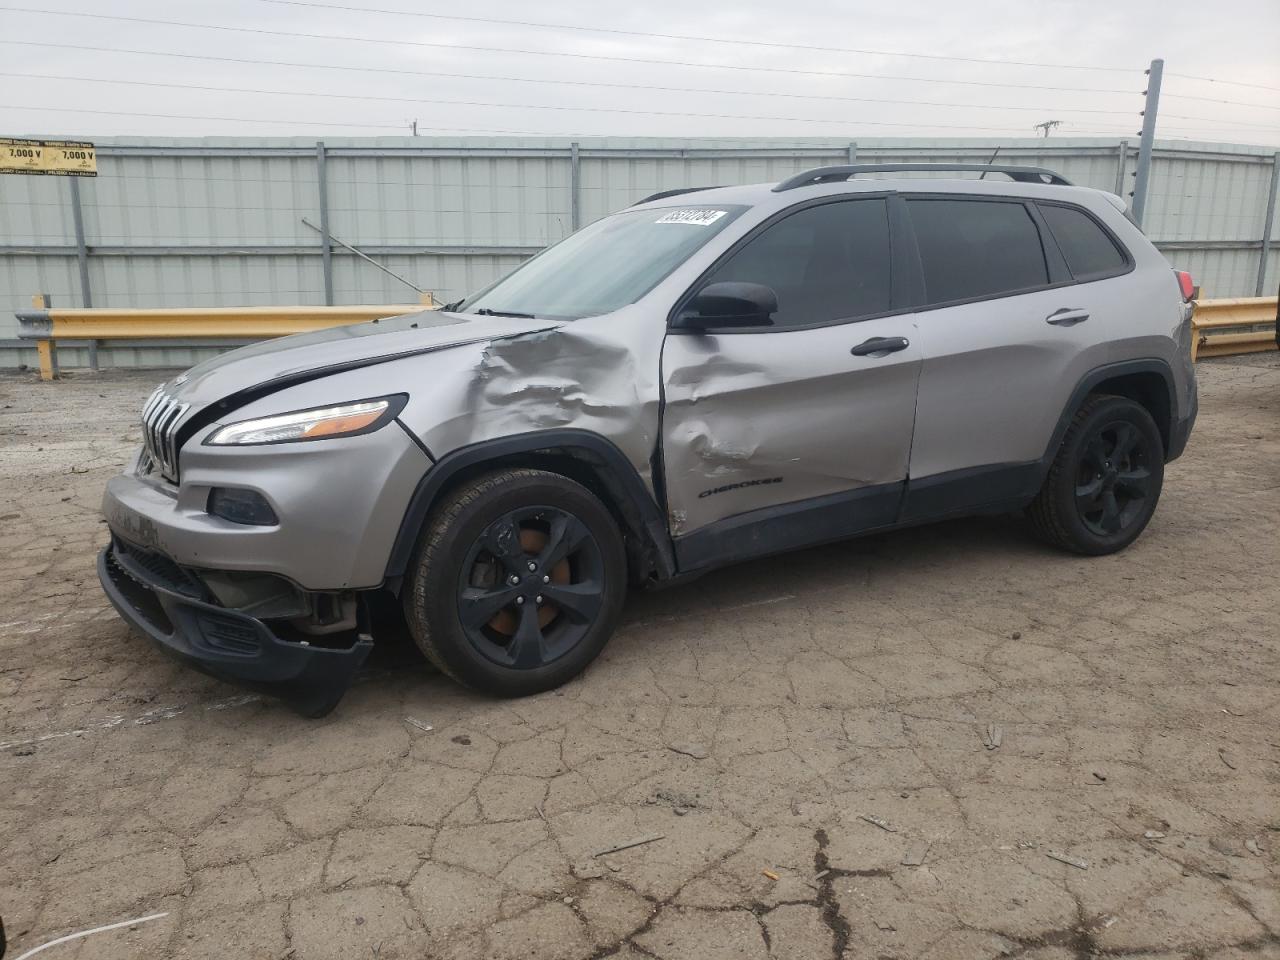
{"type": "Point", "coordinates": [307, 123]}
{"type": "Point", "coordinates": [1181, 76]}
{"type": "Point", "coordinates": [699, 39]}
{"type": "Point", "coordinates": [259, 31]}
{"type": "Point", "coordinates": [573, 83]}
{"type": "Point", "coordinates": [656, 113]}
{"type": "Point", "coordinates": [1233, 103]}
{"type": "Point", "coordinates": [522, 106]}
{"type": "Point", "coordinates": [535, 106]}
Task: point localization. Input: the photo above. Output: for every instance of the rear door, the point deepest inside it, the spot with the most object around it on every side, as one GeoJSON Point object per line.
{"type": "Point", "coordinates": [1006, 334]}
{"type": "Point", "coordinates": [790, 414]}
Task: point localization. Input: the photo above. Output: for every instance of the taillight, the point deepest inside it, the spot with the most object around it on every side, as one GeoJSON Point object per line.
{"type": "Point", "coordinates": [1186, 285]}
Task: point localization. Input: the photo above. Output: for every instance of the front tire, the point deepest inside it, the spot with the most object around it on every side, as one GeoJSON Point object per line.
{"type": "Point", "coordinates": [1105, 481]}
{"type": "Point", "coordinates": [518, 583]}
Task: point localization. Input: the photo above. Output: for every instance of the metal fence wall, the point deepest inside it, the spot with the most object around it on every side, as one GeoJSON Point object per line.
{"type": "Point", "coordinates": [219, 222]}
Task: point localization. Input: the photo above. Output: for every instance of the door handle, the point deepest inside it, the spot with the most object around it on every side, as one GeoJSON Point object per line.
{"type": "Point", "coordinates": [1067, 317]}
{"type": "Point", "coordinates": [880, 346]}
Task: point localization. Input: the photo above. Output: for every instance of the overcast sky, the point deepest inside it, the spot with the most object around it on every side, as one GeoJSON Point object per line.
{"type": "Point", "coordinates": [395, 68]}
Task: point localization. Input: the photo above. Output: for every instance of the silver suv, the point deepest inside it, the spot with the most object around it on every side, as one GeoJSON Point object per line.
{"type": "Point", "coordinates": [708, 376]}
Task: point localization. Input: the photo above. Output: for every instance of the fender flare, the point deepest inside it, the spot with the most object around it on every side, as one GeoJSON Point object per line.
{"type": "Point", "coordinates": [1099, 375]}
{"type": "Point", "coordinates": [645, 519]}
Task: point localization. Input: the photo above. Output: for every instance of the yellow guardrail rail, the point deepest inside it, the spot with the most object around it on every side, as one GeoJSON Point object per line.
{"type": "Point", "coordinates": [1222, 327]}
{"type": "Point", "coordinates": [46, 326]}
{"type": "Point", "coordinates": [1239, 325]}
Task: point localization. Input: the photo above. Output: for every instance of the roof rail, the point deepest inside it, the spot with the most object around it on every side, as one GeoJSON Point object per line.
{"type": "Point", "coordinates": [837, 174]}
{"type": "Point", "coordinates": [662, 195]}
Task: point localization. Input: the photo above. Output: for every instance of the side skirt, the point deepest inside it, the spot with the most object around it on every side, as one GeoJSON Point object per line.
{"type": "Point", "coordinates": [999, 488]}
{"type": "Point", "coordinates": [996, 488]}
{"type": "Point", "coordinates": [790, 526]}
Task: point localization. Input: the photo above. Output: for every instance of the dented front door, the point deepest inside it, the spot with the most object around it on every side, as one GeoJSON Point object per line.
{"type": "Point", "coordinates": [755, 421]}
{"type": "Point", "coordinates": [806, 408]}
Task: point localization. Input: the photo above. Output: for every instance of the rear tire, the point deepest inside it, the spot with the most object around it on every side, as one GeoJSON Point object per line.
{"type": "Point", "coordinates": [1105, 481]}
{"type": "Point", "coordinates": [518, 582]}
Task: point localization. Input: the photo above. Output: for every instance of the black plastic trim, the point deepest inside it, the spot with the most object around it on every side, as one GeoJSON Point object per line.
{"type": "Point", "coordinates": [997, 487]}
{"type": "Point", "coordinates": [310, 679]}
{"type": "Point", "coordinates": [1101, 374]}
{"type": "Point", "coordinates": [1054, 261]}
{"type": "Point", "coordinates": [651, 526]}
{"type": "Point", "coordinates": [789, 526]}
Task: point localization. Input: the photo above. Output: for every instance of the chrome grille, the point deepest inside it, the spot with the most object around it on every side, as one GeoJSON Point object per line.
{"type": "Point", "coordinates": [160, 419]}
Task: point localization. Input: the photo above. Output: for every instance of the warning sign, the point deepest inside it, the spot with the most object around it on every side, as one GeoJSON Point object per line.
{"type": "Point", "coordinates": [65, 158]}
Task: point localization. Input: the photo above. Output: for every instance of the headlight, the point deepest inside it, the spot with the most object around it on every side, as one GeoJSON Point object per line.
{"type": "Point", "coordinates": [348, 420]}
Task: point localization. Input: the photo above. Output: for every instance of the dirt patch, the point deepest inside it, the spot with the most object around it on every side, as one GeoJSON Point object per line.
{"type": "Point", "coordinates": [1135, 699]}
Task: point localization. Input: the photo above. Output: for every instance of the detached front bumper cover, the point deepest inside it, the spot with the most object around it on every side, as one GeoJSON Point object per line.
{"type": "Point", "coordinates": [224, 643]}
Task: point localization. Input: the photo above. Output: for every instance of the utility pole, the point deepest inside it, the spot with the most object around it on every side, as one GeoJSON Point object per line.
{"type": "Point", "coordinates": [1047, 126]}
{"type": "Point", "coordinates": [1142, 176]}
{"type": "Point", "coordinates": [413, 126]}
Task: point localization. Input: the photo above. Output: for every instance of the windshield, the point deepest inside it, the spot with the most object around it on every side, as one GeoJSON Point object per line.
{"type": "Point", "coordinates": [612, 263]}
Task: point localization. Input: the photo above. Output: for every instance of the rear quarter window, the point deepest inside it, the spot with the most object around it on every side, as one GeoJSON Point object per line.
{"type": "Point", "coordinates": [1089, 250]}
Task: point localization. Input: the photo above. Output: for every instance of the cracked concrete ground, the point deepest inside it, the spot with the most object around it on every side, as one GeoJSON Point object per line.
{"type": "Point", "coordinates": [1135, 696]}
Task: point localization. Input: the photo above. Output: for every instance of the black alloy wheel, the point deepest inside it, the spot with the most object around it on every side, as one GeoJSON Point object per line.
{"type": "Point", "coordinates": [518, 581]}
{"type": "Point", "coordinates": [1105, 479]}
{"type": "Point", "coordinates": [1114, 478]}
{"type": "Point", "coordinates": [531, 586]}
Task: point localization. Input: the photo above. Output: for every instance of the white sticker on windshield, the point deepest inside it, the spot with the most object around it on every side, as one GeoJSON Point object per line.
{"type": "Point", "coordinates": [698, 217]}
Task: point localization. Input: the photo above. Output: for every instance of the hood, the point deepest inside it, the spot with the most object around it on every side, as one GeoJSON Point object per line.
{"type": "Point", "coordinates": [262, 368]}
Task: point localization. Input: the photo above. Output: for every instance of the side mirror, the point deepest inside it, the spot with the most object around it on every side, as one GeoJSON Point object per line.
{"type": "Point", "coordinates": [729, 305]}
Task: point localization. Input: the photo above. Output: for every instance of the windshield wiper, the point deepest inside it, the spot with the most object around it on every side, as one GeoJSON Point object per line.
{"type": "Point", "coordinates": [489, 312]}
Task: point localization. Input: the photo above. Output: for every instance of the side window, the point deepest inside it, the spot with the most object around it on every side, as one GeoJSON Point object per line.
{"type": "Point", "coordinates": [1089, 252]}
{"type": "Point", "coordinates": [977, 248]}
{"type": "Point", "coordinates": [825, 263]}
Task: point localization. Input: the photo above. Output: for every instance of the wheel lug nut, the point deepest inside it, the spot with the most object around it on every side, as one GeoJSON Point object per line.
{"type": "Point", "coordinates": [546, 579]}
{"type": "Point", "coordinates": [532, 565]}
{"type": "Point", "coordinates": [538, 599]}
{"type": "Point", "coordinates": [513, 579]}
{"type": "Point", "coordinates": [519, 601]}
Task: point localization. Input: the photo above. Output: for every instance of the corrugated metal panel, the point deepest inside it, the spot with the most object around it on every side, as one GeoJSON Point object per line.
{"type": "Point", "coordinates": [478, 193]}
{"type": "Point", "coordinates": [35, 210]}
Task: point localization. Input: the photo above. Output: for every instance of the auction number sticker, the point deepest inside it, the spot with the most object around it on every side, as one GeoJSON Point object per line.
{"type": "Point", "coordinates": [694, 216]}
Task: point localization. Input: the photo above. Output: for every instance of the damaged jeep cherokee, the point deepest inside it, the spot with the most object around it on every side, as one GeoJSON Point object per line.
{"type": "Point", "coordinates": [708, 376]}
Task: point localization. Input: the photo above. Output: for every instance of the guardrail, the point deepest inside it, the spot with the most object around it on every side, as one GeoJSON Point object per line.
{"type": "Point", "coordinates": [1240, 325]}
{"type": "Point", "coordinates": [46, 326]}
{"type": "Point", "coordinates": [1222, 327]}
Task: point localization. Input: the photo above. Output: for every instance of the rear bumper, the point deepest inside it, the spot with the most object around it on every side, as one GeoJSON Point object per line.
{"type": "Point", "coordinates": [226, 644]}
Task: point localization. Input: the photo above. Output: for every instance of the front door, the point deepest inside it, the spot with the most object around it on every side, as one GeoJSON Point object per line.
{"type": "Point", "coordinates": [800, 431]}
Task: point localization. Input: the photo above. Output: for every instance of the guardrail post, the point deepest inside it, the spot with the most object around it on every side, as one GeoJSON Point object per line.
{"type": "Point", "coordinates": [326, 247]}
{"type": "Point", "coordinates": [1142, 178]}
{"type": "Point", "coordinates": [575, 187]}
{"type": "Point", "coordinates": [82, 256]}
{"type": "Point", "coordinates": [46, 350]}
{"type": "Point", "coordinates": [853, 153]}
{"type": "Point", "coordinates": [1266, 225]}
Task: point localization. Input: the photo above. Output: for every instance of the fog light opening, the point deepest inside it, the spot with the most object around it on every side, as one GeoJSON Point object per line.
{"type": "Point", "coordinates": [241, 506]}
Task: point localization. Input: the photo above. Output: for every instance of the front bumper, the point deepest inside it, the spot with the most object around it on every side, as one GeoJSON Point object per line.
{"type": "Point", "coordinates": [339, 503]}
{"type": "Point", "coordinates": [225, 643]}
